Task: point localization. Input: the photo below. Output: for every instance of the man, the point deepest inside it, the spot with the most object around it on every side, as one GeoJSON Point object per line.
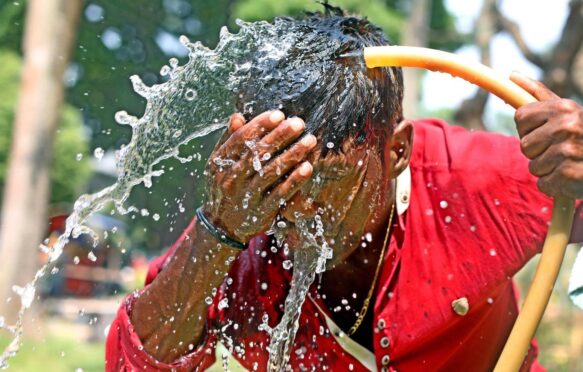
{"type": "Point", "coordinates": [428, 224]}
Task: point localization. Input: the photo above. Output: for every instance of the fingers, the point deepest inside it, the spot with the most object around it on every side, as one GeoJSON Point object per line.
{"type": "Point", "coordinates": [535, 88]}
{"type": "Point", "coordinates": [291, 185]}
{"type": "Point", "coordinates": [254, 130]}
{"type": "Point", "coordinates": [236, 121]}
{"type": "Point", "coordinates": [537, 142]}
{"type": "Point", "coordinates": [283, 163]}
{"type": "Point", "coordinates": [282, 136]}
{"type": "Point", "coordinates": [531, 116]}
{"type": "Point", "coordinates": [565, 180]}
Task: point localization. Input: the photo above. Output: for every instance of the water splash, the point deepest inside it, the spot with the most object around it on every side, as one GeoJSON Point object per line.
{"type": "Point", "coordinates": [309, 259]}
{"type": "Point", "coordinates": [196, 100]}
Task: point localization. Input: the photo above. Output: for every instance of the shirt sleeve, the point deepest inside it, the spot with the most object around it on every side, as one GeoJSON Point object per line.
{"type": "Point", "coordinates": [483, 199]}
{"type": "Point", "coordinates": [124, 350]}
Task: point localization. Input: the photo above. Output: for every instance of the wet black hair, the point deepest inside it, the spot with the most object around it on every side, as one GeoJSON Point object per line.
{"type": "Point", "coordinates": [310, 78]}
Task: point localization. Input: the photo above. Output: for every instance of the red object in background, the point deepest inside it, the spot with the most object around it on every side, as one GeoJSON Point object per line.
{"type": "Point", "coordinates": [57, 223]}
{"type": "Point", "coordinates": [475, 218]}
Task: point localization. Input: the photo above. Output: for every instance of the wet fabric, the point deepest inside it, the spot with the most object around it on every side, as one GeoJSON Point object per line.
{"type": "Point", "coordinates": [475, 217]}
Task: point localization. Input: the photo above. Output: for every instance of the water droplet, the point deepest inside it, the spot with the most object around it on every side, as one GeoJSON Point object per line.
{"type": "Point", "coordinates": [190, 94]}
{"type": "Point", "coordinates": [492, 252]}
{"type": "Point", "coordinates": [98, 153]}
{"type": "Point", "coordinates": [208, 300]}
{"type": "Point", "coordinates": [92, 256]}
{"type": "Point", "coordinates": [156, 217]}
{"type": "Point", "coordinates": [264, 286]}
{"type": "Point", "coordinates": [330, 145]}
{"type": "Point", "coordinates": [26, 294]}
{"type": "Point", "coordinates": [246, 198]}
{"type": "Point", "coordinates": [447, 219]}
{"type": "Point", "coordinates": [79, 157]}
{"type": "Point", "coordinates": [223, 304]}
{"type": "Point", "coordinates": [287, 264]}
{"type": "Point", "coordinates": [443, 204]}
{"type": "Point", "coordinates": [165, 70]}
{"type": "Point", "coordinates": [76, 260]}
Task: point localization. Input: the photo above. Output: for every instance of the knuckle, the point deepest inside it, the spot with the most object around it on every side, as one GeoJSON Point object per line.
{"type": "Point", "coordinates": [526, 147]}
{"type": "Point", "coordinates": [519, 115]}
{"type": "Point", "coordinates": [533, 167]}
{"type": "Point", "coordinates": [566, 171]}
{"type": "Point", "coordinates": [567, 105]}
{"type": "Point", "coordinates": [572, 126]}
{"type": "Point", "coordinates": [543, 186]}
{"type": "Point", "coordinates": [568, 150]}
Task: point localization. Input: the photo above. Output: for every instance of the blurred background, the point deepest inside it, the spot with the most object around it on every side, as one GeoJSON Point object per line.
{"type": "Point", "coordinates": [64, 72]}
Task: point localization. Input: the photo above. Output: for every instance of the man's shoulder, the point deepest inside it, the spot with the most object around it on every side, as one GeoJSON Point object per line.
{"type": "Point", "coordinates": [438, 145]}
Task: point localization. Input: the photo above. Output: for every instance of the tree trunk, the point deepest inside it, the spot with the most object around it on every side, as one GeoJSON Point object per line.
{"type": "Point", "coordinates": [471, 112]}
{"type": "Point", "coordinates": [415, 34]}
{"type": "Point", "coordinates": [49, 35]}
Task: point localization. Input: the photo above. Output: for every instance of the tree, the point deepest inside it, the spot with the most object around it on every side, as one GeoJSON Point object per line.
{"type": "Point", "coordinates": [560, 65]}
{"type": "Point", "coordinates": [49, 35]}
{"type": "Point", "coordinates": [68, 173]}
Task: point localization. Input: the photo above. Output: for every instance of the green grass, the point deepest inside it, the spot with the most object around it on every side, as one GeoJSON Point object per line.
{"type": "Point", "coordinates": [57, 353]}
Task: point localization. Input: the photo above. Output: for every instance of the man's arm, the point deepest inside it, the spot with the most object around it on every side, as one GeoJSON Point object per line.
{"type": "Point", "coordinates": [170, 315]}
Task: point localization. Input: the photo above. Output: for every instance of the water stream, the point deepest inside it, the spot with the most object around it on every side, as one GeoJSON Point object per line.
{"type": "Point", "coordinates": [197, 99]}
{"type": "Point", "coordinates": [309, 259]}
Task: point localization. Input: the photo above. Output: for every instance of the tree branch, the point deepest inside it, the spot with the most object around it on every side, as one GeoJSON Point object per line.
{"type": "Point", "coordinates": [471, 111]}
{"type": "Point", "coordinates": [559, 73]}
{"type": "Point", "coordinates": [505, 24]}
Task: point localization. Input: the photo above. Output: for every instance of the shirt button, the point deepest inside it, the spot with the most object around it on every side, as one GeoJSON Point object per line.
{"type": "Point", "coordinates": [381, 324]}
{"type": "Point", "coordinates": [385, 342]}
{"type": "Point", "coordinates": [385, 360]}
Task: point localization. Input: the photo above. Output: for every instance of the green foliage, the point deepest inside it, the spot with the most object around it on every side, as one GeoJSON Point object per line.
{"type": "Point", "coordinates": [67, 174]}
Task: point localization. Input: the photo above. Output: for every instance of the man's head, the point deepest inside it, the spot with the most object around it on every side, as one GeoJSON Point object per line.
{"type": "Point", "coordinates": [355, 113]}
{"type": "Point", "coordinates": [299, 69]}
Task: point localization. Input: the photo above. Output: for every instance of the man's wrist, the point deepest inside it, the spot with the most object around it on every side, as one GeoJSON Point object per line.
{"type": "Point", "coordinates": [216, 232]}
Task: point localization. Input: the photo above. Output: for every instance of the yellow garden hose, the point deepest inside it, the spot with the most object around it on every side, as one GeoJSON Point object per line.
{"type": "Point", "coordinates": [557, 238]}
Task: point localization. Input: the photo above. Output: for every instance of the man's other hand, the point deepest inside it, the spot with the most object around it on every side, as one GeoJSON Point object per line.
{"type": "Point", "coordinates": [255, 169]}
{"type": "Point", "coordinates": [551, 133]}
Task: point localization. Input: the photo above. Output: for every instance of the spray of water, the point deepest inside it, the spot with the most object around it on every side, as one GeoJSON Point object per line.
{"type": "Point", "coordinates": [197, 99]}
{"type": "Point", "coordinates": [309, 259]}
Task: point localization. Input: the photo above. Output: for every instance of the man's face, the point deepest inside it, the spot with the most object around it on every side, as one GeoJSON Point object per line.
{"type": "Point", "coordinates": [344, 190]}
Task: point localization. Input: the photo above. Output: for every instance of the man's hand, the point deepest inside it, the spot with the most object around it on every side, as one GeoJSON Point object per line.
{"type": "Point", "coordinates": [252, 172]}
{"type": "Point", "coordinates": [551, 133]}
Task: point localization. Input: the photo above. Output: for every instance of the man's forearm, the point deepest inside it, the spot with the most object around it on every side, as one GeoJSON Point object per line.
{"type": "Point", "coordinates": [170, 315]}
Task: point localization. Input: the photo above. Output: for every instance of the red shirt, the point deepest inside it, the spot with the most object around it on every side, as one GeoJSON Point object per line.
{"type": "Point", "coordinates": [475, 218]}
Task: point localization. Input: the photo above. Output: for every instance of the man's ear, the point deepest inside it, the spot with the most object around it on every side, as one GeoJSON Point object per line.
{"type": "Point", "coordinates": [400, 147]}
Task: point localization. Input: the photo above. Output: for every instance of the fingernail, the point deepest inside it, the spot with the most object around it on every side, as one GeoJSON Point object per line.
{"type": "Point", "coordinates": [308, 140]}
{"type": "Point", "coordinates": [276, 116]}
{"type": "Point", "coordinates": [297, 124]}
{"type": "Point", "coordinates": [305, 169]}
